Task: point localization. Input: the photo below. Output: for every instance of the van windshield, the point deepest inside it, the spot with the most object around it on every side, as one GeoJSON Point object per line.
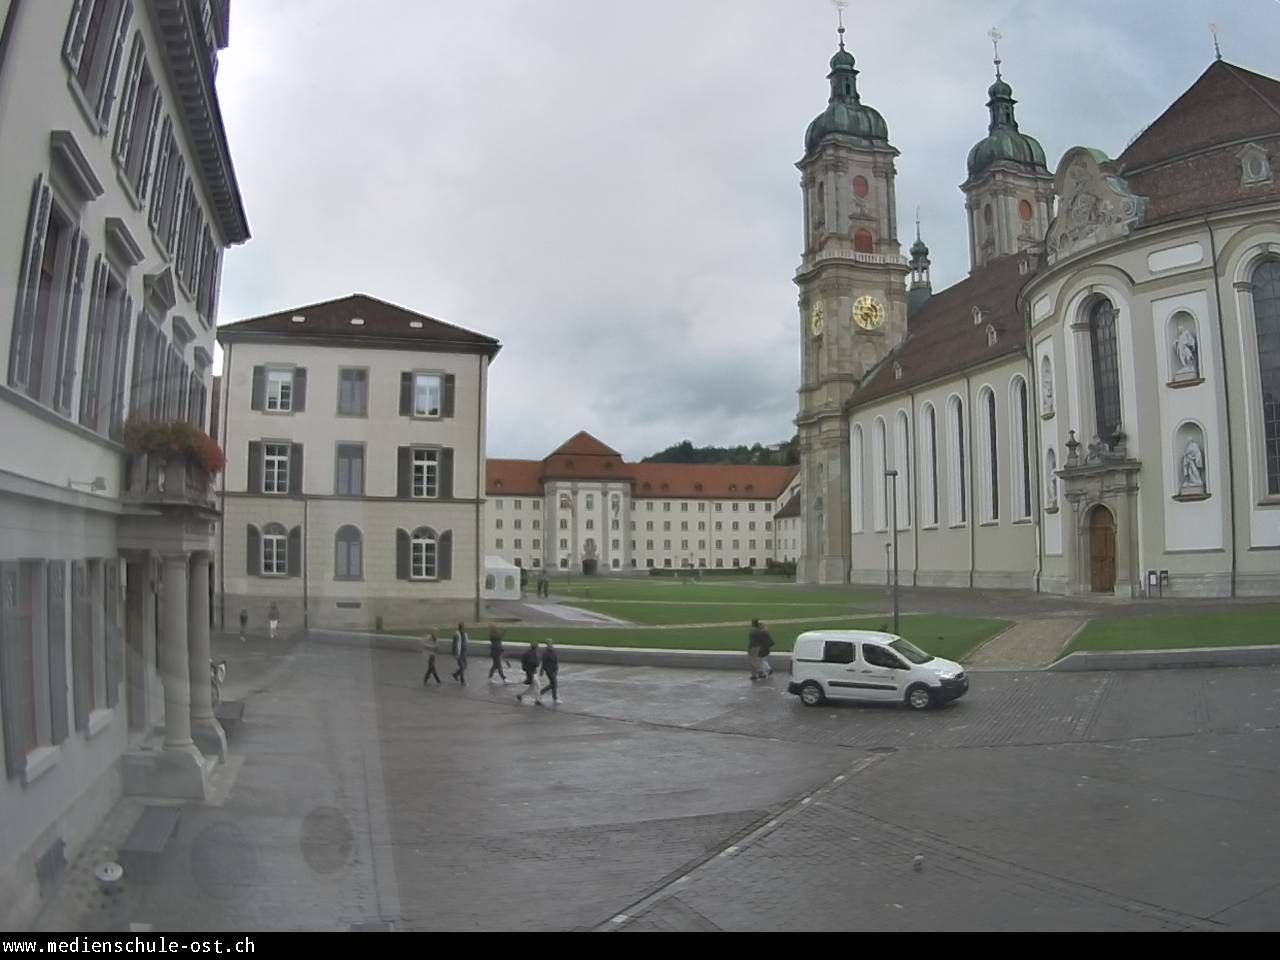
{"type": "Point", "coordinates": [910, 651]}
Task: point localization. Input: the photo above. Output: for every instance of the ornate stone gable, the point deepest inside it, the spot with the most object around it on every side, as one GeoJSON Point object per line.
{"type": "Point", "coordinates": [1093, 207]}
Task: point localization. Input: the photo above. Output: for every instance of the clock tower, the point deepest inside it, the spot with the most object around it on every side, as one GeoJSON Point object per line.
{"type": "Point", "coordinates": [853, 302]}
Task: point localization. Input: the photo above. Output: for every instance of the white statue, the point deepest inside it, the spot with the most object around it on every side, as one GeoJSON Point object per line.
{"type": "Point", "coordinates": [1053, 490]}
{"type": "Point", "coordinates": [1193, 465]}
{"type": "Point", "coordinates": [1046, 391]}
{"type": "Point", "coordinates": [1186, 351]}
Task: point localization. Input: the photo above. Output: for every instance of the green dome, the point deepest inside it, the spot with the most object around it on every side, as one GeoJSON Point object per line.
{"type": "Point", "coordinates": [846, 114]}
{"type": "Point", "coordinates": [1004, 143]}
{"type": "Point", "coordinates": [919, 250]}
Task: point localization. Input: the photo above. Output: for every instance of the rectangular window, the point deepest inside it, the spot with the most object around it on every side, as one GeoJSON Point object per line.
{"type": "Point", "coordinates": [719, 544]}
{"type": "Point", "coordinates": [348, 561]}
{"type": "Point", "coordinates": [666, 524]}
{"type": "Point", "coordinates": [666, 506]}
{"type": "Point", "coordinates": [616, 502]}
{"type": "Point", "coordinates": [684, 544]}
{"type": "Point", "coordinates": [702, 524]}
{"type": "Point", "coordinates": [275, 554]}
{"type": "Point", "coordinates": [280, 390]}
{"type": "Point", "coordinates": [648, 524]}
{"type": "Point", "coordinates": [768, 525]}
{"type": "Point", "coordinates": [648, 544]}
{"type": "Point", "coordinates": [591, 501]}
{"type": "Point", "coordinates": [751, 544]}
{"type": "Point", "coordinates": [736, 544]}
{"type": "Point", "coordinates": [649, 506]}
{"type": "Point", "coordinates": [537, 524]}
{"type": "Point", "coordinates": [422, 559]}
{"type": "Point", "coordinates": [666, 544]}
{"type": "Point", "coordinates": [768, 508]}
{"type": "Point", "coordinates": [497, 504]}
{"type": "Point", "coordinates": [498, 543]}
{"type": "Point", "coordinates": [617, 544]}
{"type": "Point", "coordinates": [516, 523]}
{"type": "Point", "coordinates": [537, 544]}
{"type": "Point", "coordinates": [275, 468]}
{"type": "Point", "coordinates": [92, 51]}
{"type": "Point", "coordinates": [684, 524]}
{"type": "Point", "coordinates": [564, 543]}
{"type": "Point", "coordinates": [564, 523]}
{"type": "Point", "coordinates": [426, 473]}
{"type": "Point", "coordinates": [591, 524]}
{"type": "Point", "coordinates": [353, 392]}
{"type": "Point", "coordinates": [684, 508]}
{"type": "Point", "coordinates": [615, 525]}
{"type": "Point", "coordinates": [518, 543]}
{"type": "Point", "coordinates": [719, 508]}
{"type": "Point", "coordinates": [497, 524]}
{"type": "Point", "coordinates": [702, 544]}
{"type": "Point", "coordinates": [517, 504]}
{"type": "Point", "coordinates": [427, 390]}
{"type": "Point", "coordinates": [751, 525]}
{"type": "Point", "coordinates": [735, 524]}
{"type": "Point", "coordinates": [350, 481]}
{"type": "Point", "coordinates": [735, 507]}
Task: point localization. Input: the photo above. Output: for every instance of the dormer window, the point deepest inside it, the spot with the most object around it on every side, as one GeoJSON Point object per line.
{"type": "Point", "coordinates": [897, 371]}
{"type": "Point", "coordinates": [992, 336]}
{"type": "Point", "coordinates": [1255, 166]}
{"type": "Point", "coordinates": [977, 316]}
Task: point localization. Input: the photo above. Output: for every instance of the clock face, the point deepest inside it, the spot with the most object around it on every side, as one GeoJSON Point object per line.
{"type": "Point", "coordinates": [868, 313]}
{"type": "Point", "coordinates": [817, 320]}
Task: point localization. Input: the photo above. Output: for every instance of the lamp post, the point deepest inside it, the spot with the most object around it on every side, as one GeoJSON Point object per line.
{"type": "Point", "coordinates": [891, 478]}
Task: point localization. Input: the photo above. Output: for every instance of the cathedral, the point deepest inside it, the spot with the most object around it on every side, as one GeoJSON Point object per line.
{"type": "Point", "coordinates": [1095, 408]}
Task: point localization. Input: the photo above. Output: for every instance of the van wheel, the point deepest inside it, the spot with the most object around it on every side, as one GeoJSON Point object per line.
{"type": "Point", "coordinates": [811, 695]}
{"type": "Point", "coordinates": [920, 697]}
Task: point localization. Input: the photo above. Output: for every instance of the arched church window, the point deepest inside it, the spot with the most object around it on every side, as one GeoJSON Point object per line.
{"type": "Point", "coordinates": [1266, 313]}
{"type": "Point", "coordinates": [1106, 369]}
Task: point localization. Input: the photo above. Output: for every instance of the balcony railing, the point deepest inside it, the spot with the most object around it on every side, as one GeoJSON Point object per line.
{"type": "Point", "coordinates": [156, 479]}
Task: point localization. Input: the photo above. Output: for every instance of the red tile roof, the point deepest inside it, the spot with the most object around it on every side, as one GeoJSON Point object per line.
{"type": "Point", "coordinates": [382, 321]}
{"type": "Point", "coordinates": [942, 337]}
{"type": "Point", "coordinates": [584, 444]}
{"type": "Point", "coordinates": [513, 478]}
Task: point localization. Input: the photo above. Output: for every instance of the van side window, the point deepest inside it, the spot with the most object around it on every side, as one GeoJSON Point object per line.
{"type": "Point", "coordinates": [838, 651]}
{"type": "Point", "coordinates": [880, 657]}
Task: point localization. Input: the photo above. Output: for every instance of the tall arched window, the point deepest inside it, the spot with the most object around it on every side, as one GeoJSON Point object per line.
{"type": "Point", "coordinates": [275, 551]}
{"type": "Point", "coordinates": [1021, 493]}
{"type": "Point", "coordinates": [348, 560]}
{"type": "Point", "coordinates": [929, 495]}
{"type": "Point", "coordinates": [957, 467]}
{"type": "Point", "coordinates": [855, 478]}
{"type": "Point", "coordinates": [988, 456]}
{"type": "Point", "coordinates": [1266, 312]}
{"type": "Point", "coordinates": [422, 554]}
{"type": "Point", "coordinates": [1106, 369]}
{"type": "Point", "coordinates": [902, 463]}
{"type": "Point", "coordinates": [879, 460]}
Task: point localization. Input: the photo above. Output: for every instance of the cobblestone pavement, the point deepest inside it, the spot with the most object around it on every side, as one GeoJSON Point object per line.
{"type": "Point", "coordinates": [672, 799]}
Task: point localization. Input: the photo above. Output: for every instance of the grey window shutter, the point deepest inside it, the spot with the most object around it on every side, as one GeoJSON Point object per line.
{"type": "Point", "coordinates": [449, 388]}
{"type": "Point", "coordinates": [73, 45]}
{"type": "Point", "coordinates": [300, 390]}
{"type": "Point", "coordinates": [113, 70]}
{"type": "Point", "coordinates": [295, 468]}
{"type": "Point", "coordinates": [28, 284]}
{"type": "Point", "coordinates": [255, 467]}
{"type": "Point", "coordinates": [444, 556]}
{"type": "Point", "coordinates": [153, 127]}
{"type": "Point", "coordinates": [253, 551]}
{"type": "Point", "coordinates": [81, 643]}
{"type": "Point", "coordinates": [402, 555]}
{"type": "Point", "coordinates": [129, 103]}
{"type": "Point", "coordinates": [162, 171]}
{"type": "Point", "coordinates": [95, 341]}
{"type": "Point", "coordinates": [113, 630]}
{"type": "Point", "coordinates": [70, 342]}
{"type": "Point", "coordinates": [124, 330]}
{"type": "Point", "coordinates": [446, 473]}
{"type": "Point", "coordinates": [293, 561]}
{"type": "Point", "coordinates": [404, 468]}
{"type": "Point", "coordinates": [11, 673]}
{"type": "Point", "coordinates": [406, 394]}
{"type": "Point", "coordinates": [56, 627]}
{"type": "Point", "coordinates": [362, 394]}
{"type": "Point", "coordinates": [259, 397]}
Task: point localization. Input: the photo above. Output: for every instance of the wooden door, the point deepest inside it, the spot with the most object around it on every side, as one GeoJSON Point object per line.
{"type": "Point", "coordinates": [1102, 551]}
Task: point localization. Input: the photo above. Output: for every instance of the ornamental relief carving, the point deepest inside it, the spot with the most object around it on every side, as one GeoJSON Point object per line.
{"type": "Point", "coordinates": [1095, 207]}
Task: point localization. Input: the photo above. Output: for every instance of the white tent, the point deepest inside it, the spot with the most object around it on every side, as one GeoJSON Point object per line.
{"type": "Point", "coordinates": [501, 579]}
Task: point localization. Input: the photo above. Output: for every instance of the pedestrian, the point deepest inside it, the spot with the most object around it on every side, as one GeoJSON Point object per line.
{"type": "Point", "coordinates": [755, 639]}
{"type": "Point", "coordinates": [460, 653]}
{"type": "Point", "coordinates": [544, 585]}
{"type": "Point", "coordinates": [551, 670]}
{"type": "Point", "coordinates": [244, 624]}
{"type": "Point", "coordinates": [430, 646]}
{"type": "Point", "coordinates": [495, 653]}
{"type": "Point", "coordinates": [529, 664]}
{"type": "Point", "coordinates": [764, 647]}
{"type": "Point", "coordinates": [273, 618]}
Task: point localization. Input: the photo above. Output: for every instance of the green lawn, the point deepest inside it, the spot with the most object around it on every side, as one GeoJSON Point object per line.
{"type": "Point", "coordinates": [1237, 629]}
{"type": "Point", "coordinates": [656, 613]}
{"type": "Point", "coordinates": [949, 637]}
{"type": "Point", "coordinates": [740, 590]}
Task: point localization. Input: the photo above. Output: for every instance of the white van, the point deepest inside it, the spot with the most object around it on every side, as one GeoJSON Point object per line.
{"type": "Point", "coordinates": [862, 665]}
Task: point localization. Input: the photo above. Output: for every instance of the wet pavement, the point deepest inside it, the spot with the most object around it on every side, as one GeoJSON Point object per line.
{"type": "Point", "coordinates": [684, 800]}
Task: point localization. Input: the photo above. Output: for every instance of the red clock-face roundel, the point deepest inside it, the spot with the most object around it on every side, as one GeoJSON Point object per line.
{"type": "Point", "coordinates": [860, 187]}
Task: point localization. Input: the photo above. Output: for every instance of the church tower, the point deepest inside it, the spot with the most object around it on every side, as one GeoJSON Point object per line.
{"type": "Point", "coordinates": [1009, 191]}
{"type": "Point", "coordinates": [853, 301]}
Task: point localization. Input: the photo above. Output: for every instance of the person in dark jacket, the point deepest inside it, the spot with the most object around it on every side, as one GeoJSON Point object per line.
{"type": "Point", "coordinates": [495, 653]}
{"type": "Point", "coordinates": [460, 653]}
{"type": "Point", "coordinates": [764, 646]}
{"type": "Point", "coordinates": [551, 670]}
{"type": "Point", "coordinates": [755, 640]}
{"type": "Point", "coordinates": [529, 664]}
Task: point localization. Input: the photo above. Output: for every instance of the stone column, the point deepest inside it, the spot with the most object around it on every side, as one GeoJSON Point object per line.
{"type": "Point", "coordinates": [205, 729]}
{"type": "Point", "coordinates": [140, 628]}
{"type": "Point", "coordinates": [174, 660]}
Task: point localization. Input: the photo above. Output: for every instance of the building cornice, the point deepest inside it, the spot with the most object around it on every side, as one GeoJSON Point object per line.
{"type": "Point", "coordinates": [412, 344]}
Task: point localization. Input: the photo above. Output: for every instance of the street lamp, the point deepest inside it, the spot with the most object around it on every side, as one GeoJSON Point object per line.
{"type": "Point", "coordinates": [891, 477]}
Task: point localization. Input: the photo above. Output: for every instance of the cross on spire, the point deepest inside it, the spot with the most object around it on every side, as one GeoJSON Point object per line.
{"type": "Point", "coordinates": [1217, 41]}
{"type": "Point", "coordinates": [918, 223]}
{"type": "Point", "coordinates": [996, 36]}
{"type": "Point", "coordinates": [840, 5]}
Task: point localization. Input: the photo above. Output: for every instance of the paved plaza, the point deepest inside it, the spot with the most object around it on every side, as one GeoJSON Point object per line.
{"type": "Point", "coordinates": [687, 800]}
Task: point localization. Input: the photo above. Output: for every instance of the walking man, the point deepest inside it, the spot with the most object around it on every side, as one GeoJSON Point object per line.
{"type": "Point", "coordinates": [544, 586]}
{"type": "Point", "coordinates": [755, 640]}
{"type": "Point", "coordinates": [551, 670]}
{"type": "Point", "coordinates": [460, 653]}
{"type": "Point", "coordinates": [244, 624]}
{"type": "Point", "coordinates": [763, 648]}
{"type": "Point", "coordinates": [430, 645]}
{"type": "Point", "coordinates": [495, 653]}
{"type": "Point", "coordinates": [273, 618]}
{"type": "Point", "coordinates": [529, 664]}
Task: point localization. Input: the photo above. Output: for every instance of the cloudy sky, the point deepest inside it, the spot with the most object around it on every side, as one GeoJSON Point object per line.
{"type": "Point", "coordinates": [609, 188]}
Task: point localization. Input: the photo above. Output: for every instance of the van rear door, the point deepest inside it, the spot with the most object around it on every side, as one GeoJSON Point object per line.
{"type": "Point", "coordinates": [840, 668]}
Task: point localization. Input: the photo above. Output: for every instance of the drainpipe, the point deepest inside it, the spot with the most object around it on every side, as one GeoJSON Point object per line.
{"type": "Point", "coordinates": [1038, 463]}
{"type": "Point", "coordinates": [7, 33]}
{"type": "Point", "coordinates": [306, 567]}
{"type": "Point", "coordinates": [225, 414]}
{"type": "Point", "coordinates": [479, 464]}
{"type": "Point", "coordinates": [913, 477]}
{"type": "Point", "coordinates": [969, 498]}
{"type": "Point", "coordinates": [1226, 402]}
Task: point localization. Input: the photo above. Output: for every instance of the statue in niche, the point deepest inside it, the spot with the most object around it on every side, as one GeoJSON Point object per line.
{"type": "Point", "coordinates": [1046, 391]}
{"type": "Point", "coordinates": [1192, 467]}
{"type": "Point", "coordinates": [1186, 353]}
